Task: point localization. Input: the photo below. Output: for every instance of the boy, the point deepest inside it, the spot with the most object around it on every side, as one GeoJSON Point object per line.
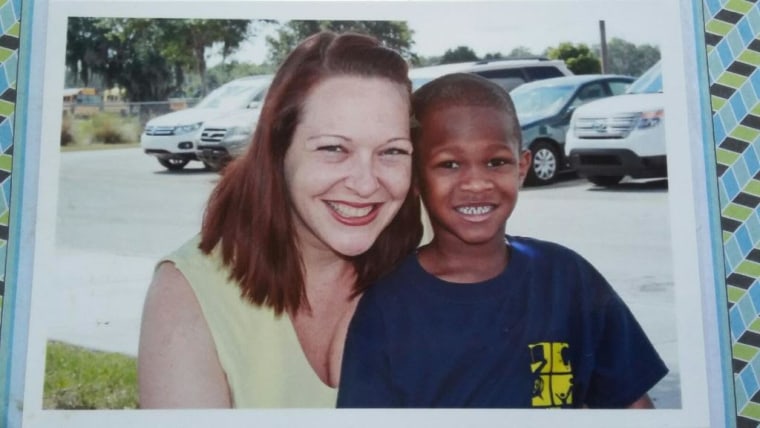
{"type": "Point", "coordinates": [476, 320]}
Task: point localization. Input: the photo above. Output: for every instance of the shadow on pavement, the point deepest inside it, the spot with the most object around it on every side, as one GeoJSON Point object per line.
{"type": "Point", "coordinates": [658, 185]}
{"type": "Point", "coordinates": [187, 171]}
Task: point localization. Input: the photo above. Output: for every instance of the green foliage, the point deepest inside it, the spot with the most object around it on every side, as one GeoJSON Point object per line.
{"type": "Point", "coordinates": [108, 128]}
{"type": "Point", "coordinates": [459, 54]}
{"type": "Point", "coordinates": [627, 58]}
{"type": "Point", "coordinates": [520, 52]}
{"type": "Point", "coordinates": [393, 34]}
{"type": "Point", "coordinates": [224, 72]}
{"type": "Point", "coordinates": [79, 378]}
{"type": "Point", "coordinates": [147, 57]}
{"type": "Point", "coordinates": [66, 132]}
{"type": "Point", "coordinates": [579, 58]}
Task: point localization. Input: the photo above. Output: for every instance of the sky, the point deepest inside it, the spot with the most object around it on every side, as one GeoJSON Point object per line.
{"type": "Point", "coordinates": [489, 27]}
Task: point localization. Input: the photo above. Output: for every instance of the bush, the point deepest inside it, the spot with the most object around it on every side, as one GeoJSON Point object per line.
{"type": "Point", "coordinates": [101, 128]}
{"type": "Point", "coordinates": [106, 129]}
{"type": "Point", "coordinates": [79, 378]}
{"type": "Point", "coordinates": [67, 136]}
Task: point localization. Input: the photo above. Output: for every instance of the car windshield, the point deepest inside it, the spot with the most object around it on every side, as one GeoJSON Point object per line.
{"type": "Point", "coordinates": [532, 100]}
{"type": "Point", "coordinates": [650, 82]}
{"type": "Point", "coordinates": [235, 95]}
{"type": "Point", "coordinates": [419, 81]}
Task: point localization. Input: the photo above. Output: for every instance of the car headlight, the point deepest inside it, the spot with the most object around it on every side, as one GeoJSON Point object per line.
{"type": "Point", "coordinates": [649, 119]}
{"type": "Point", "coordinates": [238, 134]}
{"type": "Point", "coordinates": [184, 129]}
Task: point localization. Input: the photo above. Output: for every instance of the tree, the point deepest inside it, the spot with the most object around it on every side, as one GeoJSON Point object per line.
{"type": "Point", "coordinates": [393, 34]}
{"type": "Point", "coordinates": [86, 50]}
{"type": "Point", "coordinates": [148, 57]}
{"type": "Point", "coordinates": [460, 54]}
{"type": "Point", "coordinates": [224, 72]}
{"type": "Point", "coordinates": [579, 58]}
{"type": "Point", "coordinates": [520, 52]}
{"type": "Point", "coordinates": [185, 41]}
{"type": "Point", "coordinates": [627, 58]}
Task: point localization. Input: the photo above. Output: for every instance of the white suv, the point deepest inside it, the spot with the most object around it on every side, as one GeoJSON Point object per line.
{"type": "Point", "coordinates": [509, 73]}
{"type": "Point", "coordinates": [172, 138]}
{"type": "Point", "coordinates": [623, 135]}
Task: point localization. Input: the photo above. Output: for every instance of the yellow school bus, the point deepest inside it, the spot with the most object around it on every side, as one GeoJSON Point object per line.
{"type": "Point", "coordinates": [81, 102]}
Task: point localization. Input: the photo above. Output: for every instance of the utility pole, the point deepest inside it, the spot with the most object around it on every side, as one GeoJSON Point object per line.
{"type": "Point", "coordinates": [605, 62]}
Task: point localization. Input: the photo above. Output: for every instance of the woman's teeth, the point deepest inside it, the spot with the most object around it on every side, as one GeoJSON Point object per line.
{"type": "Point", "coordinates": [349, 211]}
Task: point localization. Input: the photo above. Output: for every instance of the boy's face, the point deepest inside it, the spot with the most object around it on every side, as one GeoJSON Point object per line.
{"type": "Point", "coordinates": [470, 172]}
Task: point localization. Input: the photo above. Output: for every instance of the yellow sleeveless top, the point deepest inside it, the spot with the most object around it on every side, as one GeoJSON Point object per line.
{"type": "Point", "coordinates": [259, 352]}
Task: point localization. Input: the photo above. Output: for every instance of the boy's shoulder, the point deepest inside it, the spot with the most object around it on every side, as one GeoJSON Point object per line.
{"type": "Point", "coordinates": [540, 248]}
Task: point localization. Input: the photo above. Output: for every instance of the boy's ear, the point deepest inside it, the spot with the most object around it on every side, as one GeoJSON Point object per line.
{"type": "Point", "coordinates": [524, 165]}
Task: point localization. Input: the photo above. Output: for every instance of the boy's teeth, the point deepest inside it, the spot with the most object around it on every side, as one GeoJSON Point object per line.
{"type": "Point", "coordinates": [349, 211]}
{"type": "Point", "coordinates": [478, 210]}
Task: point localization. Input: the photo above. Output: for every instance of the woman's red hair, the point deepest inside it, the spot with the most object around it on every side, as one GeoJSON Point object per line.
{"type": "Point", "coordinates": [248, 216]}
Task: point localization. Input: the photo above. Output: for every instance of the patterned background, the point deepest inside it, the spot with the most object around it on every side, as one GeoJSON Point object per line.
{"type": "Point", "coordinates": [733, 56]}
{"type": "Point", "coordinates": [9, 42]}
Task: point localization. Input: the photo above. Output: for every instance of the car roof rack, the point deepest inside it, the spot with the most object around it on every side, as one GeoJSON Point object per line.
{"type": "Point", "coordinates": [515, 58]}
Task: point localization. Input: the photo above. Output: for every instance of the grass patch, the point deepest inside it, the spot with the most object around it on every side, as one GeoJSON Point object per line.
{"type": "Point", "coordinates": [80, 378]}
{"type": "Point", "coordinates": [99, 129]}
{"type": "Point", "coordinates": [98, 146]}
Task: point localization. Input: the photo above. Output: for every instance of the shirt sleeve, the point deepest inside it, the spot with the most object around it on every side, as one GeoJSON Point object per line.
{"type": "Point", "coordinates": [627, 366]}
{"type": "Point", "coordinates": [365, 380]}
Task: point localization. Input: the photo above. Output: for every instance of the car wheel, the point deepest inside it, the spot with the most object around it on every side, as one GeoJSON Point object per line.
{"type": "Point", "coordinates": [213, 166]}
{"type": "Point", "coordinates": [173, 164]}
{"type": "Point", "coordinates": [605, 180]}
{"type": "Point", "coordinates": [544, 163]}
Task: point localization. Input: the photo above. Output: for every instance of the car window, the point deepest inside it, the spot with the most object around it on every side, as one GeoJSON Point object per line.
{"type": "Point", "coordinates": [590, 92]}
{"type": "Point", "coordinates": [541, 100]}
{"type": "Point", "coordinates": [618, 88]}
{"type": "Point", "coordinates": [649, 82]}
{"type": "Point", "coordinates": [538, 73]}
{"type": "Point", "coordinates": [508, 78]}
{"type": "Point", "coordinates": [233, 95]}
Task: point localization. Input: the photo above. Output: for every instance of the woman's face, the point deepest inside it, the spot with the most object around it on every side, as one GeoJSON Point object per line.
{"type": "Point", "coordinates": [348, 168]}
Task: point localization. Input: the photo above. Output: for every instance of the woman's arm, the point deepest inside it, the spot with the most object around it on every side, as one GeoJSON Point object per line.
{"type": "Point", "coordinates": [642, 403]}
{"type": "Point", "coordinates": [177, 363]}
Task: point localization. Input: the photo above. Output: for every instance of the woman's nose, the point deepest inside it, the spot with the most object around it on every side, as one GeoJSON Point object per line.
{"type": "Point", "coordinates": [362, 177]}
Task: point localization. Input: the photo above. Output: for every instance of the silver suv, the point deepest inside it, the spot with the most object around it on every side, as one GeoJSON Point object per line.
{"type": "Point", "coordinates": [509, 73]}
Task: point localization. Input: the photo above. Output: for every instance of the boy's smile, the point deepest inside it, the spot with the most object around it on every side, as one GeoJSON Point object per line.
{"type": "Point", "coordinates": [470, 172]}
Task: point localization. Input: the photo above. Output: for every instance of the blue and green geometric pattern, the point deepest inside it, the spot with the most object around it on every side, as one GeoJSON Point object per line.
{"type": "Point", "coordinates": [733, 60]}
{"type": "Point", "coordinates": [10, 25]}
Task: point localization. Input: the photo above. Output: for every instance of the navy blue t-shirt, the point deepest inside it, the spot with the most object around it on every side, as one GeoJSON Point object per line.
{"type": "Point", "coordinates": [549, 331]}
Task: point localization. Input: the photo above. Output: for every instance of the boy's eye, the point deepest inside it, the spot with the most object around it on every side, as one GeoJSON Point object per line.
{"type": "Point", "coordinates": [498, 162]}
{"type": "Point", "coordinates": [448, 164]}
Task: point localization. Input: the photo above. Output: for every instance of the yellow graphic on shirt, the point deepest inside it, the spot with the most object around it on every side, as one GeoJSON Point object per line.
{"type": "Point", "coordinates": [553, 376]}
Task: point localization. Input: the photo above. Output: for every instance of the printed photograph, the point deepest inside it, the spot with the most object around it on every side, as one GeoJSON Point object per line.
{"type": "Point", "coordinates": [436, 208]}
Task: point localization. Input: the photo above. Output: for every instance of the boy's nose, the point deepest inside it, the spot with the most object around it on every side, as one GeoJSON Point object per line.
{"type": "Point", "coordinates": [362, 178]}
{"type": "Point", "coordinates": [476, 180]}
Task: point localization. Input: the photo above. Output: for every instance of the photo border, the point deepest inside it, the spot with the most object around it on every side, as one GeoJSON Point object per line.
{"type": "Point", "coordinates": [698, 230]}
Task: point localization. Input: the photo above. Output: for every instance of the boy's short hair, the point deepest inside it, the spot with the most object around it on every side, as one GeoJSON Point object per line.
{"type": "Point", "coordinates": [463, 90]}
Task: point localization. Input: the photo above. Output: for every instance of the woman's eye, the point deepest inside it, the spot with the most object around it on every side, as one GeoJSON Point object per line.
{"type": "Point", "coordinates": [332, 148]}
{"type": "Point", "coordinates": [396, 151]}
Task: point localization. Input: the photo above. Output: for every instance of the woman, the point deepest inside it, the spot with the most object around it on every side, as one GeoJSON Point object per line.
{"type": "Point", "coordinates": [253, 312]}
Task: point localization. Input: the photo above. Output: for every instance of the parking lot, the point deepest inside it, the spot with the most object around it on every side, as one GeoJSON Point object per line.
{"type": "Point", "coordinates": [119, 211]}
